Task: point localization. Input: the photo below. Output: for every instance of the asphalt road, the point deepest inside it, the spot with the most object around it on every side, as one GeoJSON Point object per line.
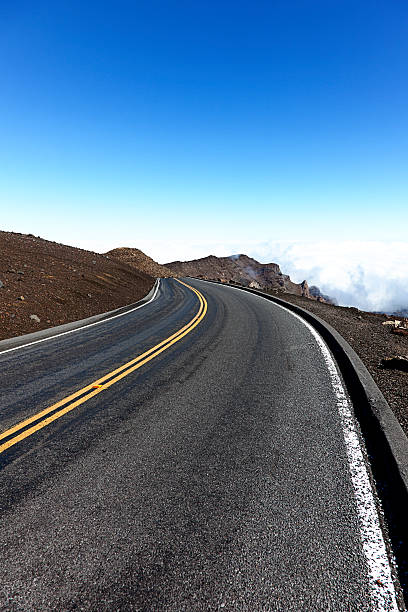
{"type": "Point", "coordinates": [215, 476]}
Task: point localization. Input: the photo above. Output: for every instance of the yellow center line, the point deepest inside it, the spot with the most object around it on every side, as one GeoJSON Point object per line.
{"type": "Point", "coordinates": [98, 382]}
{"type": "Point", "coordinates": [97, 386]}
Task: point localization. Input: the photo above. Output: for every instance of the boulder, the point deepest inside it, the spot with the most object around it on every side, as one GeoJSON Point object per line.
{"type": "Point", "coordinates": [395, 323]}
{"type": "Point", "coordinates": [397, 362]}
{"type": "Point", "coordinates": [400, 331]}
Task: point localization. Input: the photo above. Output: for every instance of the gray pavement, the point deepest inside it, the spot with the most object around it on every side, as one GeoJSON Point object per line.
{"type": "Point", "coordinates": [215, 477]}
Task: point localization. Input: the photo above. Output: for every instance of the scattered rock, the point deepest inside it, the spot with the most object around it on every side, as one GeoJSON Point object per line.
{"type": "Point", "coordinates": [1, 285]}
{"type": "Point", "coordinates": [21, 298]}
{"type": "Point", "coordinates": [20, 272]}
{"type": "Point", "coordinates": [254, 285]}
{"type": "Point", "coordinates": [89, 295]}
{"type": "Point", "coordinates": [400, 331]}
{"type": "Point", "coordinates": [393, 323]}
{"type": "Point", "coordinates": [398, 327]}
{"type": "Point", "coordinates": [35, 318]}
{"type": "Point", "coordinates": [305, 289]}
{"type": "Point", "coordinates": [94, 261]}
{"type": "Point", "coordinates": [398, 362]}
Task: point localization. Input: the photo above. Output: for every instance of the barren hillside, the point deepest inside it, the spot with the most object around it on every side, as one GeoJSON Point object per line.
{"type": "Point", "coordinates": [44, 283]}
{"type": "Point", "coordinates": [139, 260]}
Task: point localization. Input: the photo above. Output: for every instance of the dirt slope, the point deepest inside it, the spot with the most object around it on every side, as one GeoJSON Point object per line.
{"type": "Point", "coordinates": [57, 284]}
{"type": "Point", "coordinates": [139, 260]}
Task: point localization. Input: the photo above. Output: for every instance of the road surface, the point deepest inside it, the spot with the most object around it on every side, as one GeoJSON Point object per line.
{"type": "Point", "coordinates": [194, 454]}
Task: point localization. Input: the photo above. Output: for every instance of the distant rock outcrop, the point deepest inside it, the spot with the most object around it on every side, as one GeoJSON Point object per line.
{"type": "Point", "coordinates": [243, 270]}
{"type": "Point", "coordinates": [321, 297]}
{"type": "Point", "coordinates": [137, 259]}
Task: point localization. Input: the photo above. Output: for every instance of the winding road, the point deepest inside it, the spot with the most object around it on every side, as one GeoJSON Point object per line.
{"type": "Point", "coordinates": [197, 453]}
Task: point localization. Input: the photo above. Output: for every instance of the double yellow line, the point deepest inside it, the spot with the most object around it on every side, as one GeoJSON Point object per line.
{"type": "Point", "coordinates": [56, 411]}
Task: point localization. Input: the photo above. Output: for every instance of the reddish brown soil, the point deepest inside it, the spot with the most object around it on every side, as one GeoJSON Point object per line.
{"type": "Point", "coordinates": [59, 284]}
{"type": "Point", "coordinates": [139, 260]}
{"type": "Point", "coordinates": [372, 341]}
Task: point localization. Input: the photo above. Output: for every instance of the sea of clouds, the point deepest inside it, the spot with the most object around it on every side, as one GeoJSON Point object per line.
{"type": "Point", "coordinates": [368, 275]}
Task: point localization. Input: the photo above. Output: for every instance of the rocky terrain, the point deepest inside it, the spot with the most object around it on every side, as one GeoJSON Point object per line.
{"type": "Point", "coordinates": [376, 339]}
{"type": "Point", "coordinates": [245, 271]}
{"type": "Point", "coordinates": [321, 297]}
{"type": "Point", "coordinates": [139, 260]}
{"type": "Point", "coordinates": [44, 283]}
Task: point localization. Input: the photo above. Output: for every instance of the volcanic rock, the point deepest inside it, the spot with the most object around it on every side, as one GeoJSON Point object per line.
{"type": "Point", "coordinates": [243, 270]}
{"type": "Point", "coordinates": [321, 297]}
{"type": "Point", "coordinates": [400, 331]}
{"type": "Point", "coordinates": [397, 362]}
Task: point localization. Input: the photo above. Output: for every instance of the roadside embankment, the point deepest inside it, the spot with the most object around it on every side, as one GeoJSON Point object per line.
{"type": "Point", "coordinates": [44, 284]}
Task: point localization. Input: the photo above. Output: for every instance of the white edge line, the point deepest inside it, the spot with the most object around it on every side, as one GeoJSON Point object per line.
{"type": "Point", "coordinates": [71, 331]}
{"type": "Point", "coordinates": [381, 585]}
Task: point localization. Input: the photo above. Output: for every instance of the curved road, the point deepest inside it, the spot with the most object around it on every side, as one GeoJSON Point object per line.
{"type": "Point", "coordinates": [214, 476]}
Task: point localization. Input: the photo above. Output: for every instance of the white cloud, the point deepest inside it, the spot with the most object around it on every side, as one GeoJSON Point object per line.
{"type": "Point", "coordinates": [369, 275]}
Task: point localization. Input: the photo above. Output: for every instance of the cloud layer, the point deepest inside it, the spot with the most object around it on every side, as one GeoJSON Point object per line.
{"type": "Point", "coordinates": [368, 275]}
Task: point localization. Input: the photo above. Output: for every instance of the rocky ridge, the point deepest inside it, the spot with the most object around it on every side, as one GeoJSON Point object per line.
{"type": "Point", "coordinates": [245, 271]}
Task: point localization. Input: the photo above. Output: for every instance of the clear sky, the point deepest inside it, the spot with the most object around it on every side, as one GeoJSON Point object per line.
{"type": "Point", "coordinates": [204, 125]}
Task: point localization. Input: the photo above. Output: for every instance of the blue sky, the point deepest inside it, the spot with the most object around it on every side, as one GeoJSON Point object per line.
{"type": "Point", "coordinates": [190, 127]}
